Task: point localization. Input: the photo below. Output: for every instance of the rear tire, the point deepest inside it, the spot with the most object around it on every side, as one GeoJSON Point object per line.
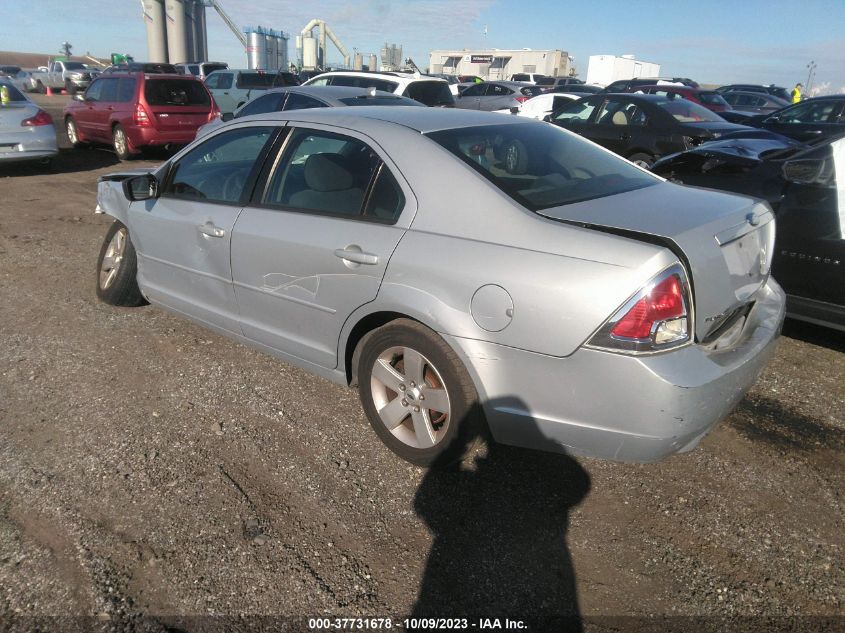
{"type": "Point", "coordinates": [117, 269]}
{"type": "Point", "coordinates": [641, 159]}
{"type": "Point", "coordinates": [39, 87]}
{"type": "Point", "coordinates": [401, 363]}
{"type": "Point", "coordinates": [120, 143]}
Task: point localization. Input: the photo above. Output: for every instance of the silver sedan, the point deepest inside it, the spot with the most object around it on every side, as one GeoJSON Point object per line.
{"type": "Point", "coordinates": [26, 131]}
{"type": "Point", "coordinates": [466, 271]}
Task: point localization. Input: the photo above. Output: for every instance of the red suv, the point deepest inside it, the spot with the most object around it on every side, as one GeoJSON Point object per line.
{"type": "Point", "coordinates": [131, 111]}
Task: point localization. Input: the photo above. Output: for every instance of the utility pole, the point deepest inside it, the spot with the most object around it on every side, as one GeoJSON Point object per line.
{"type": "Point", "coordinates": [65, 49]}
{"type": "Point", "coordinates": [811, 71]}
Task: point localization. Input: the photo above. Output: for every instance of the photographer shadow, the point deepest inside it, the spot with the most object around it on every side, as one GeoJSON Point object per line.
{"type": "Point", "coordinates": [500, 523]}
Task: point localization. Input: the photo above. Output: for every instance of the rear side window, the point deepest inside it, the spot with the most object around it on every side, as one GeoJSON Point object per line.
{"type": "Point", "coordinates": [219, 81]}
{"type": "Point", "coordinates": [531, 91]}
{"type": "Point", "coordinates": [712, 98]}
{"type": "Point", "coordinates": [194, 69]}
{"type": "Point", "coordinates": [579, 111]}
{"type": "Point", "coordinates": [362, 82]}
{"type": "Point", "coordinates": [271, 102]}
{"type": "Point", "coordinates": [386, 200]}
{"type": "Point", "coordinates": [301, 102]}
{"type": "Point", "coordinates": [255, 80]}
{"type": "Point", "coordinates": [379, 101]}
{"type": "Point", "coordinates": [14, 93]}
{"type": "Point", "coordinates": [541, 166]}
{"type": "Point", "coordinates": [126, 89]}
{"type": "Point", "coordinates": [175, 92]}
{"type": "Point", "coordinates": [325, 173]}
{"type": "Point", "coordinates": [109, 90]}
{"type": "Point", "coordinates": [218, 170]}
{"type": "Point", "coordinates": [431, 93]}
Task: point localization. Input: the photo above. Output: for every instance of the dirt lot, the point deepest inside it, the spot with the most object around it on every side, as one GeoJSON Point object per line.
{"type": "Point", "coordinates": [151, 468]}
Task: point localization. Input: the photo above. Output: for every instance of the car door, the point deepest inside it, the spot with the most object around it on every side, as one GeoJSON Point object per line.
{"type": "Point", "coordinates": [83, 115]}
{"type": "Point", "coordinates": [470, 98]}
{"type": "Point", "coordinates": [612, 127]}
{"type": "Point", "coordinates": [102, 113]}
{"type": "Point", "coordinates": [220, 86]}
{"type": "Point", "coordinates": [183, 237]}
{"type": "Point", "coordinates": [314, 245]}
{"type": "Point", "coordinates": [807, 120]}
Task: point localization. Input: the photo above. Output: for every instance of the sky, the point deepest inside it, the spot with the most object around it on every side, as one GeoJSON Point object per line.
{"type": "Point", "coordinates": [713, 42]}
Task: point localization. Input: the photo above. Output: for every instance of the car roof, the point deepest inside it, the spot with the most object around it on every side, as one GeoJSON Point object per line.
{"type": "Point", "coordinates": [422, 120]}
{"type": "Point", "coordinates": [332, 92]}
{"type": "Point", "coordinates": [385, 75]}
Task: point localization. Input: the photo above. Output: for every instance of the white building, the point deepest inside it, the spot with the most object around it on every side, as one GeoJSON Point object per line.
{"type": "Point", "coordinates": [605, 69]}
{"type": "Point", "coordinates": [492, 63]}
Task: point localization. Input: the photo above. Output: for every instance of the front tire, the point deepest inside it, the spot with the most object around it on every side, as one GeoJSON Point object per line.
{"type": "Point", "coordinates": [121, 143]}
{"type": "Point", "coordinates": [417, 394]}
{"type": "Point", "coordinates": [72, 132]}
{"type": "Point", "coordinates": [70, 88]}
{"type": "Point", "coordinates": [117, 269]}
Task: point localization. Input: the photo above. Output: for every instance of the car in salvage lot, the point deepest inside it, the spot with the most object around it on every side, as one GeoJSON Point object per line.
{"type": "Point", "coordinates": [803, 184]}
{"type": "Point", "coordinates": [641, 127]}
{"type": "Point", "coordinates": [26, 131]}
{"type": "Point", "coordinates": [496, 95]}
{"type": "Point", "coordinates": [134, 111]}
{"type": "Point", "coordinates": [599, 309]}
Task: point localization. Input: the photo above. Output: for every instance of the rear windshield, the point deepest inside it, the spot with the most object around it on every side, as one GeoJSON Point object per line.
{"type": "Point", "coordinates": [14, 93]}
{"type": "Point", "coordinates": [531, 91]}
{"type": "Point", "coordinates": [74, 66]}
{"type": "Point", "coordinates": [256, 80]}
{"type": "Point", "coordinates": [519, 77]}
{"type": "Point", "coordinates": [378, 101]}
{"type": "Point", "coordinates": [176, 92]}
{"type": "Point", "coordinates": [431, 93]}
{"type": "Point", "coordinates": [9, 70]}
{"type": "Point", "coordinates": [361, 82]}
{"type": "Point", "coordinates": [541, 166]}
{"type": "Point", "coordinates": [689, 112]}
{"type": "Point", "coordinates": [210, 68]}
{"type": "Point", "coordinates": [712, 98]}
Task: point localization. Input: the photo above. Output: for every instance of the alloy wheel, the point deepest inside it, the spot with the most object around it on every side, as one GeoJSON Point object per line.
{"type": "Point", "coordinates": [112, 259]}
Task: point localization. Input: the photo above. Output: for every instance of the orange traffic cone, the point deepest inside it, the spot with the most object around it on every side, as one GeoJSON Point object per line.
{"type": "Point", "coordinates": [49, 91]}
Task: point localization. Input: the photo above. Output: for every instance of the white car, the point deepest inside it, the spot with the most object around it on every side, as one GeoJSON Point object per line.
{"type": "Point", "coordinates": [430, 91]}
{"type": "Point", "coordinates": [233, 87]}
{"type": "Point", "coordinates": [543, 105]}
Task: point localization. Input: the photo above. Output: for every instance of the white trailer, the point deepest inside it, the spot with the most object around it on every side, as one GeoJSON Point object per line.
{"type": "Point", "coordinates": [605, 69]}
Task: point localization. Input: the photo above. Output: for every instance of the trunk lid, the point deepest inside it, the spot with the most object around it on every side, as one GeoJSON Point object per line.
{"type": "Point", "coordinates": [724, 240]}
{"type": "Point", "coordinates": [13, 113]}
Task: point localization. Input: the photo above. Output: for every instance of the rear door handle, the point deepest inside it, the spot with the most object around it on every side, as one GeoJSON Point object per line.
{"type": "Point", "coordinates": [357, 256]}
{"type": "Point", "coordinates": [625, 137]}
{"type": "Point", "coordinates": [210, 230]}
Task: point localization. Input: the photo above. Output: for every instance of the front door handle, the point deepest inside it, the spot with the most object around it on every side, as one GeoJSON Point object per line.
{"type": "Point", "coordinates": [210, 230]}
{"type": "Point", "coordinates": [625, 136]}
{"type": "Point", "coordinates": [356, 256]}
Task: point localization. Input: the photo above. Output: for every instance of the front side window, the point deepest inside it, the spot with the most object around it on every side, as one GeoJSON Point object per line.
{"type": "Point", "coordinates": [218, 169]}
{"type": "Point", "coordinates": [324, 172]}
{"type": "Point", "coordinates": [541, 166]}
{"type": "Point", "coordinates": [270, 102]}
{"type": "Point", "coordinates": [474, 91]}
{"type": "Point", "coordinates": [578, 111]}
{"type": "Point", "coordinates": [809, 112]}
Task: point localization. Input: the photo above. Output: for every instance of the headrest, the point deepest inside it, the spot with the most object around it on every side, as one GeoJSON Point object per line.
{"type": "Point", "coordinates": [326, 172]}
{"type": "Point", "coordinates": [620, 117]}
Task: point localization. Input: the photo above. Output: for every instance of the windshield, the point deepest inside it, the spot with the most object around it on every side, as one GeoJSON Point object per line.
{"type": "Point", "coordinates": [175, 92]}
{"type": "Point", "coordinates": [431, 93]}
{"type": "Point", "coordinates": [14, 93]}
{"type": "Point", "coordinates": [689, 112]}
{"type": "Point", "coordinates": [541, 166]}
{"type": "Point", "coordinates": [74, 66]}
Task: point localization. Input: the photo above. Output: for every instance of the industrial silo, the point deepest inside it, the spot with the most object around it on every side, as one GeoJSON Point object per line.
{"type": "Point", "coordinates": [201, 39]}
{"type": "Point", "coordinates": [309, 52]}
{"type": "Point", "coordinates": [358, 62]}
{"type": "Point", "coordinates": [256, 51]}
{"type": "Point", "coordinates": [190, 49]}
{"type": "Point", "coordinates": [177, 49]}
{"type": "Point", "coordinates": [373, 62]}
{"type": "Point", "coordinates": [156, 30]}
{"type": "Point", "coordinates": [272, 44]}
{"type": "Point", "coordinates": [283, 51]}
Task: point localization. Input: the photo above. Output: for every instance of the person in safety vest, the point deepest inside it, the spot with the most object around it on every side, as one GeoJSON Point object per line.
{"type": "Point", "coordinates": [5, 97]}
{"type": "Point", "coordinates": [796, 93]}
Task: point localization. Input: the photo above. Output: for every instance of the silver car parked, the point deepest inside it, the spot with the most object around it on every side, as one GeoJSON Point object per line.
{"type": "Point", "coordinates": [496, 95]}
{"type": "Point", "coordinates": [26, 131]}
{"type": "Point", "coordinates": [465, 270]}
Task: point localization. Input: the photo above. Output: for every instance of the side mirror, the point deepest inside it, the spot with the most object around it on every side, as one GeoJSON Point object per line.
{"type": "Point", "coordinates": [227, 116]}
{"type": "Point", "coordinates": [79, 97]}
{"type": "Point", "coordinates": [772, 119]}
{"type": "Point", "coordinates": [142, 187]}
{"type": "Point", "coordinates": [547, 118]}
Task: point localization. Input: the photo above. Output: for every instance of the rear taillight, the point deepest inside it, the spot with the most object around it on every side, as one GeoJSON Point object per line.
{"type": "Point", "coordinates": [40, 118]}
{"type": "Point", "coordinates": [141, 117]}
{"type": "Point", "coordinates": [522, 99]}
{"type": "Point", "coordinates": [658, 317]}
{"type": "Point", "coordinates": [215, 111]}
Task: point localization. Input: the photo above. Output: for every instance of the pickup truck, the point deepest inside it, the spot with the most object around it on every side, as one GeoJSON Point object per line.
{"type": "Point", "coordinates": [70, 76]}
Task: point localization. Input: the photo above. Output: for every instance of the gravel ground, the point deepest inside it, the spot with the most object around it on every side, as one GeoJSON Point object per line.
{"type": "Point", "coordinates": [152, 469]}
